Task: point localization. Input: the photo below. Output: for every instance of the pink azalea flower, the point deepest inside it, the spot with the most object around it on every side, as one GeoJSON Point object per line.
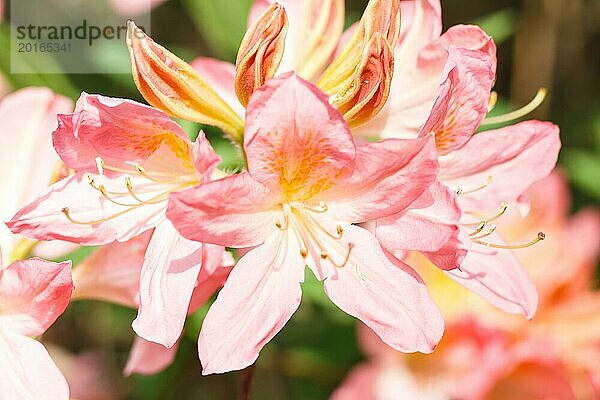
{"type": "Point", "coordinates": [33, 294]}
{"type": "Point", "coordinates": [127, 159]}
{"type": "Point", "coordinates": [308, 183]}
{"type": "Point", "coordinates": [486, 354]}
{"type": "Point", "coordinates": [32, 113]}
{"type": "Point", "coordinates": [481, 174]}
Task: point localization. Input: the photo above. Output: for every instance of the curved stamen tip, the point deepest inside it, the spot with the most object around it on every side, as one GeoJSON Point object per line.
{"type": "Point", "coordinates": [304, 253]}
{"type": "Point", "coordinates": [540, 236]}
{"type": "Point", "coordinates": [521, 112]}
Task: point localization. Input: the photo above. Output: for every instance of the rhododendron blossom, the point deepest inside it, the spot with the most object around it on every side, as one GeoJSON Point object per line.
{"type": "Point", "coordinates": [127, 159]}
{"type": "Point", "coordinates": [307, 183]}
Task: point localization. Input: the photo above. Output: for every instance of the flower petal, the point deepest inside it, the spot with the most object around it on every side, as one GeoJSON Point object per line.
{"type": "Point", "coordinates": [45, 218]}
{"type": "Point", "coordinates": [32, 113]}
{"type": "Point", "coordinates": [515, 157]}
{"type": "Point", "coordinates": [171, 267]}
{"type": "Point", "coordinates": [234, 212]}
{"type": "Point", "coordinates": [463, 100]}
{"type": "Point", "coordinates": [426, 225]}
{"type": "Point", "coordinates": [122, 132]}
{"type": "Point", "coordinates": [148, 358]}
{"type": "Point", "coordinates": [112, 273]}
{"type": "Point", "coordinates": [386, 294]}
{"type": "Point", "coordinates": [294, 139]}
{"type": "Point", "coordinates": [389, 175]}
{"type": "Point", "coordinates": [497, 276]}
{"type": "Point", "coordinates": [27, 370]}
{"type": "Point", "coordinates": [259, 297]}
{"type": "Point", "coordinates": [33, 294]}
{"type": "Point", "coordinates": [220, 75]}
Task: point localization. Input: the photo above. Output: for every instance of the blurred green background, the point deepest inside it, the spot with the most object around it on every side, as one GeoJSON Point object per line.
{"type": "Point", "coordinates": [541, 43]}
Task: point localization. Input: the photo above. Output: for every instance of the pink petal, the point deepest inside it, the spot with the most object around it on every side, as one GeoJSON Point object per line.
{"type": "Point", "coordinates": [122, 132]}
{"type": "Point", "coordinates": [205, 158]}
{"type": "Point", "coordinates": [360, 383]}
{"type": "Point", "coordinates": [33, 294]}
{"type": "Point", "coordinates": [452, 253]}
{"type": "Point", "coordinates": [295, 140]}
{"type": "Point", "coordinates": [234, 212]}
{"type": "Point", "coordinates": [463, 100]}
{"type": "Point", "coordinates": [169, 274]}
{"type": "Point", "coordinates": [112, 273]}
{"type": "Point", "coordinates": [220, 74]}
{"type": "Point", "coordinates": [132, 8]}
{"type": "Point", "coordinates": [216, 267]}
{"type": "Point", "coordinates": [43, 219]}
{"type": "Point", "coordinates": [386, 294]}
{"type": "Point", "coordinates": [426, 225]}
{"type": "Point", "coordinates": [259, 297]}
{"type": "Point", "coordinates": [497, 276]}
{"type": "Point", "coordinates": [148, 358]}
{"type": "Point", "coordinates": [515, 157]}
{"type": "Point", "coordinates": [27, 370]}
{"type": "Point", "coordinates": [32, 113]}
{"type": "Point", "coordinates": [389, 175]}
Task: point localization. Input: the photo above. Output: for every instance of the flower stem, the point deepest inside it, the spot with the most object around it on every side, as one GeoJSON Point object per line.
{"type": "Point", "coordinates": [245, 382]}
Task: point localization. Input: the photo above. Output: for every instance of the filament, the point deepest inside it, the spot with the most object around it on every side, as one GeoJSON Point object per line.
{"type": "Point", "coordinates": [484, 234]}
{"type": "Point", "coordinates": [322, 208]}
{"type": "Point", "coordinates": [540, 236]}
{"type": "Point", "coordinates": [485, 184]}
{"type": "Point", "coordinates": [521, 112]}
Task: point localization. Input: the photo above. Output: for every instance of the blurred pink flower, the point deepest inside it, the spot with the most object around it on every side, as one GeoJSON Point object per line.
{"type": "Point", "coordinates": [88, 374]}
{"type": "Point", "coordinates": [485, 354]}
{"type": "Point", "coordinates": [33, 294]}
{"type": "Point", "coordinates": [308, 182]}
{"type": "Point", "coordinates": [112, 197]}
{"type": "Point", "coordinates": [27, 118]}
{"type": "Point", "coordinates": [133, 8]}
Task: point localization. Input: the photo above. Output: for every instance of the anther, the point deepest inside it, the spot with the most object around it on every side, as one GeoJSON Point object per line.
{"type": "Point", "coordinates": [521, 112]}
{"type": "Point", "coordinates": [304, 253]}
{"type": "Point", "coordinates": [484, 234]}
{"type": "Point", "coordinates": [479, 228]}
{"type": "Point", "coordinates": [540, 236]}
{"type": "Point", "coordinates": [324, 255]}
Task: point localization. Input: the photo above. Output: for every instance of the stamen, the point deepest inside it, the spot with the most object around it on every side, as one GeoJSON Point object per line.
{"type": "Point", "coordinates": [303, 252]}
{"type": "Point", "coordinates": [492, 101]}
{"type": "Point", "coordinates": [65, 211]}
{"type": "Point", "coordinates": [324, 254]}
{"type": "Point", "coordinates": [485, 184]}
{"type": "Point", "coordinates": [339, 230]}
{"type": "Point", "coordinates": [132, 193]}
{"type": "Point", "coordinates": [321, 208]}
{"type": "Point", "coordinates": [484, 234]}
{"type": "Point", "coordinates": [540, 236]}
{"type": "Point", "coordinates": [346, 259]}
{"type": "Point", "coordinates": [102, 190]}
{"type": "Point", "coordinates": [521, 112]}
{"type": "Point", "coordinates": [479, 228]}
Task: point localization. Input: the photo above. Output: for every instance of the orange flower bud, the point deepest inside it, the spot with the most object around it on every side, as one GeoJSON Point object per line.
{"type": "Point", "coordinates": [172, 85]}
{"type": "Point", "coordinates": [366, 93]}
{"type": "Point", "coordinates": [260, 52]}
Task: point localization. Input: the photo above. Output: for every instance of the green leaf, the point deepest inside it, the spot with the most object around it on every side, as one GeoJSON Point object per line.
{"type": "Point", "coordinates": [584, 170]}
{"type": "Point", "coordinates": [500, 25]}
{"type": "Point", "coordinates": [221, 23]}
